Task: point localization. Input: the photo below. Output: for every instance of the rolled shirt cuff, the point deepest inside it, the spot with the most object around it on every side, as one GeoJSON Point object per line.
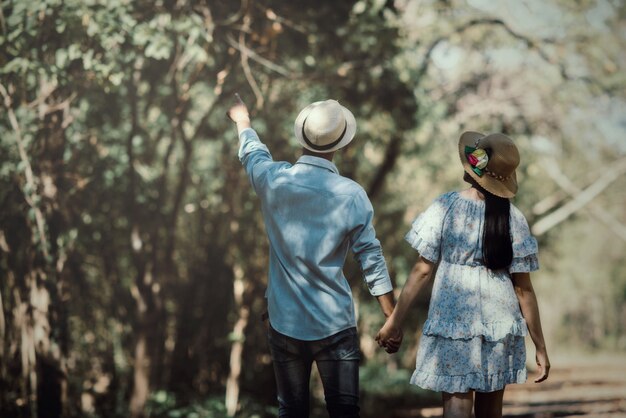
{"type": "Point", "coordinates": [381, 287]}
{"type": "Point", "coordinates": [249, 142]}
{"type": "Point", "coordinates": [245, 132]}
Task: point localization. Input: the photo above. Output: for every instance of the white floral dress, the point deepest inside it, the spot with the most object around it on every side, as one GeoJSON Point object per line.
{"type": "Point", "coordinates": [473, 338]}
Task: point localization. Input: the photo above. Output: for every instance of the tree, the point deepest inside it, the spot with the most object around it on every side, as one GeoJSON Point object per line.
{"type": "Point", "coordinates": [132, 250]}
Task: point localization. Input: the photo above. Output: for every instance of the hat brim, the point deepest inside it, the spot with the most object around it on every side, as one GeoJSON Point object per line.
{"type": "Point", "coordinates": [348, 136]}
{"type": "Point", "coordinates": [506, 188]}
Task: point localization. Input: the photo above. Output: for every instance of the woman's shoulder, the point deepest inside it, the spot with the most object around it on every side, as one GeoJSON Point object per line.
{"type": "Point", "coordinates": [442, 203]}
{"type": "Point", "coordinates": [453, 194]}
{"type": "Point", "coordinates": [447, 198]}
{"type": "Point", "coordinates": [520, 229]}
{"type": "Point", "coordinates": [436, 210]}
{"type": "Point", "coordinates": [517, 215]}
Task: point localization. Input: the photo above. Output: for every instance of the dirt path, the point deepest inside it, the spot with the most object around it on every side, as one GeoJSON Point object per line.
{"type": "Point", "coordinates": [592, 387]}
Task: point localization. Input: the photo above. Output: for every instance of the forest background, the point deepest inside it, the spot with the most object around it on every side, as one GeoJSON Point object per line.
{"type": "Point", "coordinates": [133, 257]}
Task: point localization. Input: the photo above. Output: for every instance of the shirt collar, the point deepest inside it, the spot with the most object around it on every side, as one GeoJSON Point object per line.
{"type": "Point", "coordinates": [318, 162]}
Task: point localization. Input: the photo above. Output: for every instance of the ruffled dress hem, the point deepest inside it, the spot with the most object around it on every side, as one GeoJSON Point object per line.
{"type": "Point", "coordinates": [472, 381]}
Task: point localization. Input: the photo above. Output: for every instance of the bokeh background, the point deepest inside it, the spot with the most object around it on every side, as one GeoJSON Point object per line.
{"type": "Point", "coordinates": [133, 257]}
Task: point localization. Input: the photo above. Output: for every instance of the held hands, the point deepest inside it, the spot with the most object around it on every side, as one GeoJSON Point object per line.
{"type": "Point", "coordinates": [389, 337]}
{"type": "Point", "coordinates": [238, 112]}
{"type": "Point", "coordinates": [543, 365]}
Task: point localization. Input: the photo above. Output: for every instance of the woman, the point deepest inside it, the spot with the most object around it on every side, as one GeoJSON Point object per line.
{"type": "Point", "coordinates": [483, 302]}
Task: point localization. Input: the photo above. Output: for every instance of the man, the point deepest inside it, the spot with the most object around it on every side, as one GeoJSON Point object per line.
{"type": "Point", "coordinates": [312, 217]}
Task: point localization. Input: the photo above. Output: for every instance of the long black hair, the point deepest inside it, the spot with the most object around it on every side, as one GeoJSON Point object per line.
{"type": "Point", "coordinates": [497, 244]}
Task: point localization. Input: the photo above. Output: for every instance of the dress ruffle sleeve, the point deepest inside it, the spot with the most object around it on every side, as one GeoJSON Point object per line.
{"type": "Point", "coordinates": [525, 247]}
{"type": "Point", "coordinates": [425, 233]}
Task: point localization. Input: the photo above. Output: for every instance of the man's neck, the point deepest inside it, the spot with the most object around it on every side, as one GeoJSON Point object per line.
{"type": "Point", "coordinates": [327, 155]}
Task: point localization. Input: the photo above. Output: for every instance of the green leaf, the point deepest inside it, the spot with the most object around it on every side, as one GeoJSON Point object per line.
{"type": "Point", "coordinates": [17, 65]}
{"type": "Point", "coordinates": [158, 50]}
{"type": "Point", "coordinates": [74, 52]}
{"type": "Point", "coordinates": [60, 27]}
{"type": "Point", "coordinates": [61, 58]}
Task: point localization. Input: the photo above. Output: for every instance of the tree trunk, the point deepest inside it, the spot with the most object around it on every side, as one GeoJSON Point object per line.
{"type": "Point", "coordinates": [232, 383]}
{"type": "Point", "coordinates": [148, 308]}
{"type": "Point", "coordinates": [141, 382]}
{"type": "Point", "coordinates": [36, 279]}
{"type": "Point", "coordinates": [49, 307]}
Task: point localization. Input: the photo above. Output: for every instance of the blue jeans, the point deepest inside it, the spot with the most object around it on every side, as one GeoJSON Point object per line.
{"type": "Point", "coordinates": [337, 358]}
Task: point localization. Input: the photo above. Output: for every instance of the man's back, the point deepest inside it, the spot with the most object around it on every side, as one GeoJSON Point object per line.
{"type": "Point", "coordinates": [312, 217]}
{"type": "Point", "coordinates": [309, 212]}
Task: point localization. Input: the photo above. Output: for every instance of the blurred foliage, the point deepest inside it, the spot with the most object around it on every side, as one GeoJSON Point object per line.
{"type": "Point", "coordinates": [126, 218]}
{"type": "Point", "coordinates": [163, 405]}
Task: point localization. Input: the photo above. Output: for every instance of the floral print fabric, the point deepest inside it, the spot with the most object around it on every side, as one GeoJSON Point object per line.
{"type": "Point", "coordinates": [473, 338]}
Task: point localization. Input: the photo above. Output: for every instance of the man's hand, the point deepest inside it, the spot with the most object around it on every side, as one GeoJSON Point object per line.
{"type": "Point", "coordinates": [390, 337]}
{"type": "Point", "coordinates": [238, 113]}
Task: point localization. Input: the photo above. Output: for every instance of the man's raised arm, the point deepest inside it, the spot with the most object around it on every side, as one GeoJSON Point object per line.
{"type": "Point", "coordinates": [253, 153]}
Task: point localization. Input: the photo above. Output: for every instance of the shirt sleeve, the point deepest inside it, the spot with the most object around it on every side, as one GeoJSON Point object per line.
{"type": "Point", "coordinates": [525, 246]}
{"type": "Point", "coordinates": [425, 233]}
{"type": "Point", "coordinates": [366, 247]}
{"type": "Point", "coordinates": [255, 157]}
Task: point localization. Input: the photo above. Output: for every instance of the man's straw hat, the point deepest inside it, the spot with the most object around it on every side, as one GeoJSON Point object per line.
{"type": "Point", "coordinates": [325, 126]}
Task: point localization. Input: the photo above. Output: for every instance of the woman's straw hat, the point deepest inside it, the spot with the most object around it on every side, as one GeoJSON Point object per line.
{"type": "Point", "coordinates": [325, 126]}
{"type": "Point", "coordinates": [491, 161]}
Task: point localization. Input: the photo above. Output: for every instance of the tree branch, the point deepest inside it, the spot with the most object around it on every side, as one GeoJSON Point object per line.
{"type": "Point", "coordinates": [611, 174]}
{"type": "Point", "coordinates": [549, 202]}
{"type": "Point", "coordinates": [530, 43]}
{"type": "Point", "coordinates": [236, 16]}
{"type": "Point", "coordinates": [30, 193]}
{"type": "Point", "coordinates": [243, 49]}
{"type": "Point", "coordinates": [552, 168]}
{"type": "Point", "coordinates": [246, 68]}
{"type": "Point", "coordinates": [391, 156]}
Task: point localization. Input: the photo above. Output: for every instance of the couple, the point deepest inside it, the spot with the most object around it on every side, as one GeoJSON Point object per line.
{"type": "Point", "coordinates": [482, 303]}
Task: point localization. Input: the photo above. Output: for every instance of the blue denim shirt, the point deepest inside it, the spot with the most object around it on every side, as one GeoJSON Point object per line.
{"type": "Point", "coordinates": [312, 217]}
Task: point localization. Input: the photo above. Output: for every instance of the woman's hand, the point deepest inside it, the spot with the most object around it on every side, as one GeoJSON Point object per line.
{"type": "Point", "coordinates": [543, 365]}
{"type": "Point", "coordinates": [390, 337]}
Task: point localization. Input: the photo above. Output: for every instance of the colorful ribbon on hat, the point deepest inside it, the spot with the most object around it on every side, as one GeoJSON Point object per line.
{"type": "Point", "coordinates": [477, 158]}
